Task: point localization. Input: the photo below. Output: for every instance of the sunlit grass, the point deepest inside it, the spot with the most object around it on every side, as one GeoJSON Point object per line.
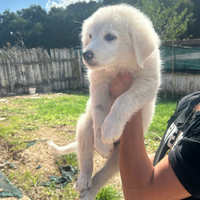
{"type": "Point", "coordinates": [28, 114]}
{"type": "Point", "coordinates": [163, 111]}
{"type": "Point", "coordinates": [108, 193]}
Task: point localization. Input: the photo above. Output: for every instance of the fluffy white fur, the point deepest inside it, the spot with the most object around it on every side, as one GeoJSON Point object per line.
{"type": "Point", "coordinates": [134, 49]}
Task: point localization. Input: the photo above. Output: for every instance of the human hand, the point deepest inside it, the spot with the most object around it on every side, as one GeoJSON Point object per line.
{"type": "Point", "coordinates": [196, 107]}
{"type": "Point", "coordinates": [120, 84]}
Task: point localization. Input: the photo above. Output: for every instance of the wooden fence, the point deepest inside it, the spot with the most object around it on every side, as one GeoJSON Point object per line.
{"type": "Point", "coordinates": [180, 83]}
{"type": "Point", "coordinates": [21, 69]}
{"type": "Point", "coordinates": [62, 69]}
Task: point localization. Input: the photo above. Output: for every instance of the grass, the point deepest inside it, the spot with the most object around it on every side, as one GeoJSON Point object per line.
{"type": "Point", "coordinates": [108, 193]}
{"type": "Point", "coordinates": [24, 115]}
{"type": "Point", "coordinates": [29, 119]}
{"type": "Point", "coordinates": [70, 159]}
{"type": "Point", "coordinates": [163, 110]}
{"type": "Point", "coordinates": [28, 182]}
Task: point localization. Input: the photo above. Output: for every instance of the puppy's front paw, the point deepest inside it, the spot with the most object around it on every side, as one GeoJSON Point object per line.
{"type": "Point", "coordinates": [103, 149]}
{"type": "Point", "coordinates": [83, 183]}
{"type": "Point", "coordinates": [111, 131]}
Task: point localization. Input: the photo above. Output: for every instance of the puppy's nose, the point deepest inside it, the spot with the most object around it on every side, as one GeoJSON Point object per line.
{"type": "Point", "coordinates": [88, 55]}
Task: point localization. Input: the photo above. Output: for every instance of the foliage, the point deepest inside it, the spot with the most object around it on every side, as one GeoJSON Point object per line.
{"type": "Point", "coordinates": [194, 28]}
{"type": "Point", "coordinates": [57, 29]}
{"type": "Point", "coordinates": [170, 18]}
{"type": "Point", "coordinates": [61, 27]}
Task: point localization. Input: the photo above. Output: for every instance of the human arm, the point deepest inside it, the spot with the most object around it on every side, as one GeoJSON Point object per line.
{"type": "Point", "coordinates": [140, 179]}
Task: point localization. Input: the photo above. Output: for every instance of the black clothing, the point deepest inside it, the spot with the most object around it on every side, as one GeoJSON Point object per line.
{"type": "Point", "coordinates": [182, 136]}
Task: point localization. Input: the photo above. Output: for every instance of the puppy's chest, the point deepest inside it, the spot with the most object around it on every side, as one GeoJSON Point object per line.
{"type": "Point", "coordinates": [99, 83]}
{"type": "Point", "coordinates": [101, 98]}
{"type": "Point", "coordinates": [100, 77]}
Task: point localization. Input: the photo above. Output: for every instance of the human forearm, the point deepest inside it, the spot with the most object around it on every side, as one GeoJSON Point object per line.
{"type": "Point", "coordinates": [151, 157]}
{"type": "Point", "coordinates": [135, 167]}
{"type": "Point", "coordinates": [140, 179]}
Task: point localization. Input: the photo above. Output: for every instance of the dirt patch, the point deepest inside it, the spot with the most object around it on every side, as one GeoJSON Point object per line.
{"type": "Point", "coordinates": [28, 159]}
{"type": "Point", "coordinates": [41, 154]}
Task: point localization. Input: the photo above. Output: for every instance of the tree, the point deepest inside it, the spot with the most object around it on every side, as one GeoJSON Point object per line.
{"type": "Point", "coordinates": [35, 36]}
{"type": "Point", "coordinates": [35, 17]}
{"type": "Point", "coordinates": [26, 24]}
{"type": "Point", "coordinates": [170, 18]}
{"type": "Point", "coordinates": [61, 27]}
{"type": "Point", "coordinates": [194, 28]}
{"type": "Point", "coordinates": [110, 2]}
{"type": "Point", "coordinates": [131, 2]}
{"type": "Point", "coordinates": [10, 23]}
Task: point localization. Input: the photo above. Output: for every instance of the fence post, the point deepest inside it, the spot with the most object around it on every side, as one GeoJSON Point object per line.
{"type": "Point", "coordinates": [172, 68]}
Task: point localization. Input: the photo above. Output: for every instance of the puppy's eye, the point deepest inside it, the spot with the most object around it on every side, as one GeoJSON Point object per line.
{"type": "Point", "coordinates": [90, 36]}
{"type": "Point", "coordinates": [110, 37]}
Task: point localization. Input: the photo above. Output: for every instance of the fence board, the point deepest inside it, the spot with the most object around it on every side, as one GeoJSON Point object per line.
{"type": "Point", "coordinates": [80, 68]}
{"type": "Point", "coordinates": [2, 76]}
{"type": "Point", "coordinates": [41, 66]}
{"type": "Point", "coordinates": [30, 69]}
{"type": "Point", "coordinates": [65, 67]}
{"type": "Point", "coordinates": [6, 73]}
{"type": "Point", "coordinates": [56, 70]}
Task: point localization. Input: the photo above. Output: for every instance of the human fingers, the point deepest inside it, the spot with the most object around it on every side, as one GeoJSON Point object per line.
{"type": "Point", "coordinates": [120, 84]}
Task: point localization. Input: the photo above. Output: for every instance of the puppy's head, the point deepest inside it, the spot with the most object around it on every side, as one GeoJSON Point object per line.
{"type": "Point", "coordinates": [117, 36]}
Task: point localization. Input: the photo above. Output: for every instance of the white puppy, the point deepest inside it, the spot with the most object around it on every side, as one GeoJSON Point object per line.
{"type": "Point", "coordinates": [116, 39]}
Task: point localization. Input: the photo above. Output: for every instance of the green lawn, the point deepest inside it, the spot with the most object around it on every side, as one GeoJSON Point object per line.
{"type": "Point", "coordinates": [164, 109]}
{"type": "Point", "coordinates": [24, 115]}
{"type": "Point", "coordinates": [26, 119]}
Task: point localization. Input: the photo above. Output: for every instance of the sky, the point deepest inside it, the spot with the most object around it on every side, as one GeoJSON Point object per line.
{"type": "Point", "coordinates": [14, 5]}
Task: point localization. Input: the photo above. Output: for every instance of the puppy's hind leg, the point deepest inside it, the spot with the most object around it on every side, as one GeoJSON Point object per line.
{"type": "Point", "coordinates": [110, 169]}
{"type": "Point", "coordinates": [85, 139]}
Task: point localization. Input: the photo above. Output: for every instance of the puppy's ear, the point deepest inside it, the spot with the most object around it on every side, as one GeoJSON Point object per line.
{"type": "Point", "coordinates": [143, 46]}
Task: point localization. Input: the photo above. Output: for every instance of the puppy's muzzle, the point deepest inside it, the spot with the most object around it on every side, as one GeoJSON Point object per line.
{"type": "Point", "coordinates": [88, 55]}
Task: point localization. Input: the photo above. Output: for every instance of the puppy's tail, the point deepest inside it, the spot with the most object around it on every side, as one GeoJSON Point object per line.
{"type": "Point", "coordinates": [70, 148]}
